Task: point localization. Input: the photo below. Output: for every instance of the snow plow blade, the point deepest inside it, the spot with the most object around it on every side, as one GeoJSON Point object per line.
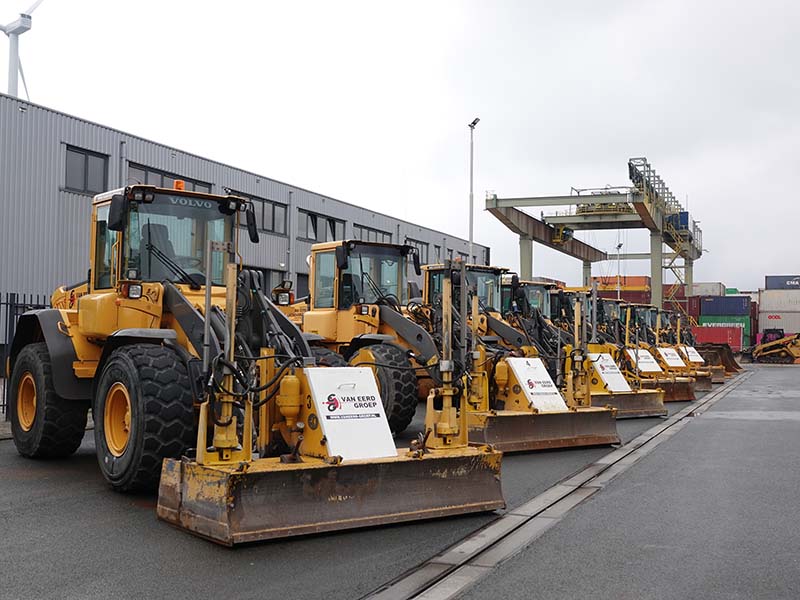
{"type": "Point", "coordinates": [676, 389]}
{"type": "Point", "coordinates": [515, 431]}
{"type": "Point", "coordinates": [631, 405]}
{"type": "Point", "coordinates": [702, 380]}
{"type": "Point", "coordinates": [270, 499]}
{"type": "Point", "coordinates": [719, 354]}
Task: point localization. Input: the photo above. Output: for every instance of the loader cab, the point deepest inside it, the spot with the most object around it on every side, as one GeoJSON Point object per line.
{"type": "Point", "coordinates": [537, 294]}
{"type": "Point", "coordinates": [484, 281]}
{"type": "Point", "coordinates": [354, 276]}
{"type": "Point", "coordinates": [143, 236]}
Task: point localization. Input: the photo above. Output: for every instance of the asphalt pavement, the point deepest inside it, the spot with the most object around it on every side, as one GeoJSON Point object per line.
{"type": "Point", "coordinates": [711, 513]}
{"type": "Point", "coordinates": [65, 534]}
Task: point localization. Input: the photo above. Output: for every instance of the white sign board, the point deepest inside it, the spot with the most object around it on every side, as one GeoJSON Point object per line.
{"type": "Point", "coordinates": [671, 357]}
{"type": "Point", "coordinates": [541, 392]}
{"type": "Point", "coordinates": [350, 412]}
{"type": "Point", "coordinates": [609, 373]}
{"type": "Point", "coordinates": [692, 354]}
{"type": "Point", "coordinates": [644, 360]}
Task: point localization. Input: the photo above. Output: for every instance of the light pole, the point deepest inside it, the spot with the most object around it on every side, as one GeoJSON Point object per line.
{"type": "Point", "coordinates": [471, 197]}
{"type": "Point", "coordinates": [619, 291]}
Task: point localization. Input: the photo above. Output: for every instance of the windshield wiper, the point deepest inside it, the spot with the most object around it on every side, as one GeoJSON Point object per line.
{"type": "Point", "coordinates": [172, 266]}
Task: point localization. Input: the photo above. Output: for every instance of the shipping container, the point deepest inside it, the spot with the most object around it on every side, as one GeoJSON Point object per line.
{"type": "Point", "coordinates": [731, 291]}
{"type": "Point", "coordinates": [708, 289]}
{"type": "Point", "coordinates": [693, 306]}
{"type": "Point", "coordinates": [788, 321]}
{"type": "Point", "coordinates": [719, 335]}
{"type": "Point", "coordinates": [624, 280]}
{"type": "Point", "coordinates": [782, 282]}
{"type": "Point", "coordinates": [673, 290]}
{"type": "Point", "coordinates": [742, 321]}
{"type": "Point", "coordinates": [725, 305]}
{"type": "Point", "coordinates": [779, 301]}
{"type": "Point", "coordinates": [627, 295]}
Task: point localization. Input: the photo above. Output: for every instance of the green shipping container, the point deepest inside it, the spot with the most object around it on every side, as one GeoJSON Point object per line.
{"type": "Point", "coordinates": [734, 321]}
{"type": "Point", "coordinates": [731, 291]}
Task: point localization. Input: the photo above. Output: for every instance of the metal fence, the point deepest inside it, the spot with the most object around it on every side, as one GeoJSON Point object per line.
{"type": "Point", "coordinates": [12, 306]}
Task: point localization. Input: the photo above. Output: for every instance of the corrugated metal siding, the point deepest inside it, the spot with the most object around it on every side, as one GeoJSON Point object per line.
{"type": "Point", "coordinates": [44, 229]}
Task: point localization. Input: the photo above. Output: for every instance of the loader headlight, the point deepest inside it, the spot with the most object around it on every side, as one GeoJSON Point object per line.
{"type": "Point", "coordinates": [364, 309]}
{"type": "Point", "coordinates": [283, 299]}
{"type": "Point", "coordinates": [134, 291]}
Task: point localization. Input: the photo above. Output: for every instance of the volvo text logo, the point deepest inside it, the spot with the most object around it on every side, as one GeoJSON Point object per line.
{"type": "Point", "coordinates": [193, 202]}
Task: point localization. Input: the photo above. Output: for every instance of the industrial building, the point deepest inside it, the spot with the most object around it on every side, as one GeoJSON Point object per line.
{"type": "Point", "coordinates": [53, 163]}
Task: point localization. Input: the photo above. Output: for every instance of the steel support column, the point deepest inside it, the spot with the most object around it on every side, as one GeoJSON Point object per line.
{"type": "Point", "coordinates": [587, 273]}
{"type": "Point", "coordinates": [656, 267]}
{"type": "Point", "coordinates": [525, 258]}
{"type": "Point", "coordinates": [688, 276]}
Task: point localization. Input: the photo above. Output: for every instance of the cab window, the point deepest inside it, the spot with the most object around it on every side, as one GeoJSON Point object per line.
{"type": "Point", "coordinates": [324, 273]}
{"type": "Point", "coordinates": [104, 241]}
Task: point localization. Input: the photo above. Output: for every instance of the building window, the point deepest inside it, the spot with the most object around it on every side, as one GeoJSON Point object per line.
{"type": "Point", "coordinates": [422, 248]}
{"type": "Point", "coordinates": [449, 254]}
{"type": "Point", "coordinates": [270, 216]}
{"type": "Point", "coordinates": [86, 172]}
{"type": "Point", "coordinates": [370, 234]}
{"type": "Point", "coordinates": [463, 256]}
{"type": "Point", "coordinates": [437, 254]}
{"type": "Point", "coordinates": [318, 228]}
{"type": "Point", "coordinates": [151, 176]}
{"type": "Point", "coordinates": [302, 285]}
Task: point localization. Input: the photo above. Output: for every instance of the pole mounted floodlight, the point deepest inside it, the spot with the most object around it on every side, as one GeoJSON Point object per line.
{"type": "Point", "coordinates": [471, 197]}
{"type": "Point", "coordinates": [13, 30]}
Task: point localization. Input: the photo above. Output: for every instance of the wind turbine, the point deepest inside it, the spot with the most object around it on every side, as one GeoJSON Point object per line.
{"type": "Point", "coordinates": [13, 31]}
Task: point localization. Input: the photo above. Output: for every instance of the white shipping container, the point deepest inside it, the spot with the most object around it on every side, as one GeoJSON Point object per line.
{"type": "Point", "coordinates": [708, 288]}
{"type": "Point", "coordinates": [788, 321]}
{"type": "Point", "coordinates": [779, 301]}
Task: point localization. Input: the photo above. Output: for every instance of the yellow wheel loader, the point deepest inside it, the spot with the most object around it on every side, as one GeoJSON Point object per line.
{"type": "Point", "coordinates": [671, 357]}
{"type": "Point", "coordinates": [513, 403]}
{"type": "Point", "coordinates": [639, 357]}
{"type": "Point", "coordinates": [355, 310]}
{"type": "Point", "coordinates": [586, 370]}
{"type": "Point", "coordinates": [201, 387]}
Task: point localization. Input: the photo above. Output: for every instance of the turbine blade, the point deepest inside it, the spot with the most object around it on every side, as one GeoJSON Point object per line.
{"type": "Point", "coordinates": [33, 7]}
{"type": "Point", "coordinates": [24, 83]}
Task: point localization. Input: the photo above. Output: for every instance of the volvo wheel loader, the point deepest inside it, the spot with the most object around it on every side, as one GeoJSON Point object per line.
{"type": "Point", "coordinates": [513, 402]}
{"type": "Point", "coordinates": [200, 386]}
{"type": "Point", "coordinates": [586, 369]}
{"type": "Point", "coordinates": [638, 360]}
{"type": "Point", "coordinates": [355, 314]}
{"type": "Point", "coordinates": [595, 364]}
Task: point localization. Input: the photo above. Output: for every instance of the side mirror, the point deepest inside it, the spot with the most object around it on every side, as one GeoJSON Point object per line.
{"type": "Point", "coordinates": [417, 268]}
{"type": "Point", "coordinates": [252, 229]}
{"type": "Point", "coordinates": [118, 212]}
{"type": "Point", "coordinates": [341, 257]}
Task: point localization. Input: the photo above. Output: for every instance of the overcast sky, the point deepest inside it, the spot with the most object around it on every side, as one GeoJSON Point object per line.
{"type": "Point", "coordinates": [368, 102]}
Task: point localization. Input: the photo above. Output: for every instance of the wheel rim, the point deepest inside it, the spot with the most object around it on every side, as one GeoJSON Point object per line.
{"type": "Point", "coordinates": [26, 401]}
{"type": "Point", "coordinates": [117, 419]}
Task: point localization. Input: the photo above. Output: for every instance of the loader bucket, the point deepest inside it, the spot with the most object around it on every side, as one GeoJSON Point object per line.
{"type": "Point", "coordinates": [630, 405]}
{"type": "Point", "coordinates": [516, 431]}
{"type": "Point", "coordinates": [268, 499]}
{"type": "Point", "coordinates": [702, 380]}
{"type": "Point", "coordinates": [717, 373]}
{"type": "Point", "coordinates": [676, 389]}
{"type": "Point", "coordinates": [726, 357]}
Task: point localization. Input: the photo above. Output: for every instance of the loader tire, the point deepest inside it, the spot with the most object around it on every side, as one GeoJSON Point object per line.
{"type": "Point", "coordinates": [328, 358]}
{"type": "Point", "coordinates": [143, 414]}
{"type": "Point", "coordinates": [397, 382]}
{"type": "Point", "coordinates": [43, 424]}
